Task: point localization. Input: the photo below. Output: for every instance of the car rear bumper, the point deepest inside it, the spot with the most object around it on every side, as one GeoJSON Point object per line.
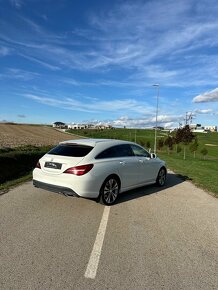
{"type": "Point", "coordinates": [55, 188]}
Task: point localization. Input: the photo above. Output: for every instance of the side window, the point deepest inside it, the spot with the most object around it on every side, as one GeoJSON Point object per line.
{"type": "Point", "coordinates": [108, 153]}
{"type": "Point", "coordinates": [116, 151]}
{"type": "Point", "coordinates": [138, 151]}
{"type": "Point", "coordinates": [125, 150]}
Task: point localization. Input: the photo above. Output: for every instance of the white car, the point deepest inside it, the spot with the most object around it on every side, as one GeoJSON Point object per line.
{"type": "Point", "coordinates": [98, 168]}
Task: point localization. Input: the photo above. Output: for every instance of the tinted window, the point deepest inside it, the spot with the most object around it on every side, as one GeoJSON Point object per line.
{"type": "Point", "coordinates": [138, 151]}
{"type": "Point", "coordinates": [72, 150]}
{"type": "Point", "coordinates": [116, 151]}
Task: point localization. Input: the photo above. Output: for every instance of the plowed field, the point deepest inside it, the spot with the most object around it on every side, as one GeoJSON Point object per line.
{"type": "Point", "coordinates": [14, 135]}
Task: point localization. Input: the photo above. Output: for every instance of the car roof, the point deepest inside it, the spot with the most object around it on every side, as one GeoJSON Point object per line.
{"type": "Point", "coordinates": [92, 142]}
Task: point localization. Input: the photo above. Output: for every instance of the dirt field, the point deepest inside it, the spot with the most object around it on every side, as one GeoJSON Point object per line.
{"type": "Point", "coordinates": [13, 135]}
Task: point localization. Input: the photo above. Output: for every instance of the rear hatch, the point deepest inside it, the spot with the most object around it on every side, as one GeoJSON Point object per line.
{"type": "Point", "coordinates": [64, 156]}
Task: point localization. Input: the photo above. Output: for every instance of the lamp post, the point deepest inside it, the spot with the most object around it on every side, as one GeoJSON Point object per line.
{"type": "Point", "coordinates": [155, 132]}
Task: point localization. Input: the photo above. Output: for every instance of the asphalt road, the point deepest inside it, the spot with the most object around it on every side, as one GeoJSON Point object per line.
{"type": "Point", "coordinates": [151, 239]}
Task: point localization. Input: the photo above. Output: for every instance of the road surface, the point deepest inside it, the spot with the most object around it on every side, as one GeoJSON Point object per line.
{"type": "Point", "coordinates": [151, 239]}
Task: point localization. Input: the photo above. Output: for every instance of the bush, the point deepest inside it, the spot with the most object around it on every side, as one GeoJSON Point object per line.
{"type": "Point", "coordinates": [160, 144]}
{"type": "Point", "coordinates": [17, 163]}
{"type": "Point", "coordinates": [204, 152]}
{"type": "Point", "coordinates": [6, 150]}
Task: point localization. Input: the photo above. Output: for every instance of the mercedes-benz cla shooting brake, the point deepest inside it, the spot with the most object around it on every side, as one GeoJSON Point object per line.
{"type": "Point", "coordinates": [98, 168]}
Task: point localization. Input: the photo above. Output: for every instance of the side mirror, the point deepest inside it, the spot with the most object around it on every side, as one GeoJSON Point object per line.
{"type": "Point", "coordinates": [153, 155]}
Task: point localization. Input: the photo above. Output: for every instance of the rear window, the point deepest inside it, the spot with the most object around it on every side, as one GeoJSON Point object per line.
{"type": "Point", "coordinates": [72, 150]}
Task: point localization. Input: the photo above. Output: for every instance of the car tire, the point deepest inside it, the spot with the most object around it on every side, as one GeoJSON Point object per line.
{"type": "Point", "coordinates": [161, 177]}
{"type": "Point", "coordinates": [109, 190]}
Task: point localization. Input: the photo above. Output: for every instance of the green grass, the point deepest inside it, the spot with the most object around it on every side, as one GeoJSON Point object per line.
{"type": "Point", "coordinates": [209, 138]}
{"type": "Point", "coordinates": [137, 135]}
{"type": "Point", "coordinates": [202, 172]}
{"type": "Point", "coordinates": [4, 187]}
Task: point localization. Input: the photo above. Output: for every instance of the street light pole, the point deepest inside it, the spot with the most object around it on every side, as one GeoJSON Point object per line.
{"type": "Point", "coordinates": [155, 132]}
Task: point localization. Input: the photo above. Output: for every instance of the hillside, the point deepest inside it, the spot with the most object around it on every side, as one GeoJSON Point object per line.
{"type": "Point", "coordinates": [13, 135]}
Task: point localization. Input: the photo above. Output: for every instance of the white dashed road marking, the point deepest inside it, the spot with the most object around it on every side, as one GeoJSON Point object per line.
{"type": "Point", "coordinates": [92, 266]}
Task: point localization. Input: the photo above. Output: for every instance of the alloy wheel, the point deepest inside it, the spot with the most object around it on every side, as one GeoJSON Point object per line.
{"type": "Point", "coordinates": [110, 191]}
{"type": "Point", "coordinates": [161, 179]}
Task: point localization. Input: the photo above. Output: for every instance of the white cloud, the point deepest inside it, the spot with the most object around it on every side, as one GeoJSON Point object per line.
{"type": "Point", "coordinates": [94, 105]}
{"type": "Point", "coordinates": [19, 74]}
{"type": "Point", "coordinates": [203, 111]}
{"type": "Point", "coordinates": [123, 36]}
{"type": "Point", "coordinates": [211, 96]}
{"type": "Point", "coordinates": [17, 3]}
{"type": "Point", "coordinates": [4, 51]}
{"type": "Point", "coordinates": [41, 62]}
{"type": "Point", "coordinates": [167, 121]}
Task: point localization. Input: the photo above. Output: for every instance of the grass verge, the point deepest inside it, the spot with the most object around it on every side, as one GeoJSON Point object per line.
{"type": "Point", "coordinates": [4, 187]}
{"type": "Point", "coordinates": [202, 173]}
{"type": "Point", "coordinates": [18, 162]}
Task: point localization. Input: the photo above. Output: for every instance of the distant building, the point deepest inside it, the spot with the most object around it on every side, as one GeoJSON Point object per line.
{"type": "Point", "coordinates": [59, 125]}
{"type": "Point", "coordinates": [89, 126]}
{"type": "Point", "coordinates": [77, 126]}
{"type": "Point", "coordinates": [210, 128]}
{"type": "Point", "coordinates": [197, 128]}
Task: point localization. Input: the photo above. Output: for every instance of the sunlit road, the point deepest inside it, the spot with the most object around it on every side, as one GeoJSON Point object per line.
{"type": "Point", "coordinates": [151, 239]}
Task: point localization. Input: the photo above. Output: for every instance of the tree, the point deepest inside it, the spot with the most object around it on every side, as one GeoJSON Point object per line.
{"type": "Point", "coordinates": [169, 142]}
{"type": "Point", "coordinates": [185, 136]}
{"type": "Point", "coordinates": [160, 144]}
{"type": "Point", "coordinates": [204, 152]}
{"type": "Point", "coordinates": [194, 146]}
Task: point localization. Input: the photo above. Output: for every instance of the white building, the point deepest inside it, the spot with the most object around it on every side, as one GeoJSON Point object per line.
{"type": "Point", "coordinates": [89, 126]}
{"type": "Point", "coordinates": [210, 128]}
{"type": "Point", "coordinates": [77, 126]}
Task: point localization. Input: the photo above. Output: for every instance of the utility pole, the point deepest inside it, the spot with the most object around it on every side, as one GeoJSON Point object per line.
{"type": "Point", "coordinates": [188, 118]}
{"type": "Point", "coordinates": [155, 132]}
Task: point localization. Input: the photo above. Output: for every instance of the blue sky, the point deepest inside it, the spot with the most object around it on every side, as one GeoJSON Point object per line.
{"type": "Point", "coordinates": [92, 61]}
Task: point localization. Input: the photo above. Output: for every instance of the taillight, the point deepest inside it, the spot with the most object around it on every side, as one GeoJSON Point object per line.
{"type": "Point", "coordinates": [79, 170]}
{"type": "Point", "coordinates": [38, 165]}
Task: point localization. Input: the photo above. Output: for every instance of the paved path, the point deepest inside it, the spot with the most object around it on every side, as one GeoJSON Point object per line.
{"type": "Point", "coordinates": [151, 239]}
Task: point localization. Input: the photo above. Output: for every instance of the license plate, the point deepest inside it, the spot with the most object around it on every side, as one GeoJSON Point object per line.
{"type": "Point", "coordinates": [53, 165]}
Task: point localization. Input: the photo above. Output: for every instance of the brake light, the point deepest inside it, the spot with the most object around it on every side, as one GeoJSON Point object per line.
{"type": "Point", "coordinates": [38, 165]}
{"type": "Point", "coordinates": [79, 170]}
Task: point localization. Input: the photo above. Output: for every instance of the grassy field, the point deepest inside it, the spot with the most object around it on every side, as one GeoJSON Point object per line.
{"type": "Point", "coordinates": [135, 135]}
{"type": "Point", "coordinates": [209, 140]}
{"type": "Point", "coordinates": [201, 170]}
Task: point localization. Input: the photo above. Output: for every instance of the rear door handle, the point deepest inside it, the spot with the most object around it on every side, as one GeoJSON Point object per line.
{"type": "Point", "coordinates": [122, 162]}
{"type": "Point", "coordinates": [140, 160]}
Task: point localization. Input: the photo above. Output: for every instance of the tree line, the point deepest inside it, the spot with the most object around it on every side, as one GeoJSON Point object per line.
{"type": "Point", "coordinates": [186, 137]}
{"type": "Point", "coordinates": [180, 136]}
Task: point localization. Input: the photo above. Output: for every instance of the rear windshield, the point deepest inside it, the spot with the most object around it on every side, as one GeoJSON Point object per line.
{"type": "Point", "coordinates": [72, 150]}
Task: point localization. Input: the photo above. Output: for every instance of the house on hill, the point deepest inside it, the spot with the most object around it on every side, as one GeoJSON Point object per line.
{"type": "Point", "coordinates": [59, 125]}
